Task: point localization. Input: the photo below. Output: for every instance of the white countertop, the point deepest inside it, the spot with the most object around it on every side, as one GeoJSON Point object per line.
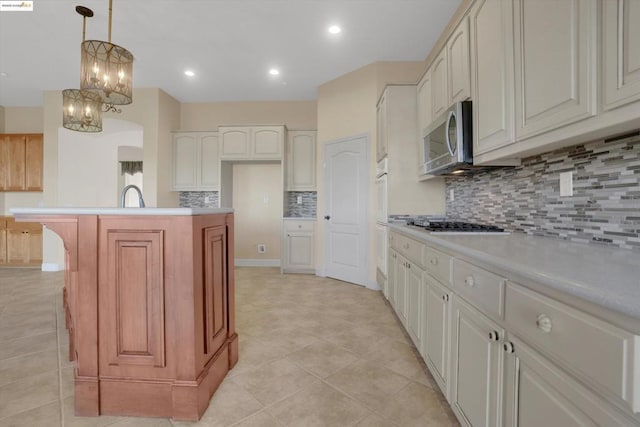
{"type": "Point", "coordinates": [605, 276]}
{"type": "Point", "coordinates": [120, 211]}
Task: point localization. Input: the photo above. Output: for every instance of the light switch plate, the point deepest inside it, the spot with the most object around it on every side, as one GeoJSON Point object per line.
{"type": "Point", "coordinates": [299, 200]}
{"type": "Point", "coordinates": [451, 195]}
{"type": "Point", "coordinates": [566, 184]}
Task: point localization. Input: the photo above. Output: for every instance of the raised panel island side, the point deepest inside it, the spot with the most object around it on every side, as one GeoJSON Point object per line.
{"type": "Point", "coordinates": [149, 306]}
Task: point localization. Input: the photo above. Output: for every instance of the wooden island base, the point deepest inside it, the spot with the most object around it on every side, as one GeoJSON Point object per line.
{"type": "Point", "coordinates": [149, 303]}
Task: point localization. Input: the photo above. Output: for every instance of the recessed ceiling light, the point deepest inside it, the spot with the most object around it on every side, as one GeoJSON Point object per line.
{"type": "Point", "coordinates": [274, 72]}
{"type": "Point", "coordinates": [189, 73]}
{"type": "Point", "coordinates": [334, 29]}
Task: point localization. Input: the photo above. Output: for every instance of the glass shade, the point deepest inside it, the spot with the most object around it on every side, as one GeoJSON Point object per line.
{"type": "Point", "coordinates": [107, 69]}
{"type": "Point", "coordinates": [82, 110]}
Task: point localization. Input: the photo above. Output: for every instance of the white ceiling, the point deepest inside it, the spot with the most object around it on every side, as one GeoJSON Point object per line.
{"type": "Point", "coordinates": [230, 44]}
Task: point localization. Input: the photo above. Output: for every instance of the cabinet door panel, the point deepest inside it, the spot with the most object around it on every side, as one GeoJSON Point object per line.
{"type": "Point", "coordinates": [439, 89]}
{"type": "Point", "coordinates": [401, 290]}
{"type": "Point", "coordinates": [555, 64]}
{"type": "Point", "coordinates": [392, 276]}
{"type": "Point", "coordinates": [458, 66]}
{"type": "Point", "coordinates": [215, 289]}
{"type": "Point", "coordinates": [234, 143]}
{"type": "Point", "coordinates": [301, 161]}
{"type": "Point", "coordinates": [34, 160]}
{"type": "Point", "coordinates": [267, 142]}
{"type": "Point", "coordinates": [492, 74]}
{"type": "Point", "coordinates": [300, 250]}
{"type": "Point", "coordinates": [15, 152]}
{"type": "Point", "coordinates": [621, 52]}
{"type": "Point", "coordinates": [435, 342]}
{"type": "Point", "coordinates": [185, 154]}
{"type": "Point", "coordinates": [476, 366]}
{"type": "Point", "coordinates": [414, 297]}
{"type": "Point", "coordinates": [381, 115]}
{"type": "Point", "coordinates": [209, 162]}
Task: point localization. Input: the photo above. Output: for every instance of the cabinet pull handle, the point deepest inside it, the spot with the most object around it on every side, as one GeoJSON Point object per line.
{"type": "Point", "coordinates": [508, 347]}
{"type": "Point", "coordinates": [469, 281]}
{"type": "Point", "coordinates": [543, 322]}
{"type": "Point", "coordinates": [494, 336]}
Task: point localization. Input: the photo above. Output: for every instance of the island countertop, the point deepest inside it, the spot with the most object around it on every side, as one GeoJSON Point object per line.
{"type": "Point", "coordinates": [119, 211]}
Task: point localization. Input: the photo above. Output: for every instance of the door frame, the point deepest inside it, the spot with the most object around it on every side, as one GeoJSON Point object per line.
{"type": "Point", "coordinates": [367, 281]}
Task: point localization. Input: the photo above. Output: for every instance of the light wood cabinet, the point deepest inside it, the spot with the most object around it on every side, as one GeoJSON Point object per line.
{"type": "Point", "coordinates": [299, 246]}
{"type": "Point", "coordinates": [555, 64]}
{"type": "Point", "coordinates": [21, 160]}
{"type": "Point", "coordinates": [436, 304]}
{"type": "Point", "coordinates": [196, 162]}
{"type": "Point", "coordinates": [301, 161]}
{"type": "Point", "coordinates": [492, 70]}
{"type": "Point", "coordinates": [21, 243]}
{"type": "Point", "coordinates": [476, 366]}
{"type": "Point", "coordinates": [458, 74]}
{"type": "Point", "coordinates": [251, 142]}
{"type": "Point", "coordinates": [621, 52]}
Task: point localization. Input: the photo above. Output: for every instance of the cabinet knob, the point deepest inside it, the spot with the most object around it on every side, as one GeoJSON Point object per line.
{"type": "Point", "coordinates": [508, 347]}
{"type": "Point", "coordinates": [288, 235]}
{"type": "Point", "coordinates": [409, 265]}
{"type": "Point", "coordinates": [406, 246]}
{"type": "Point", "coordinates": [434, 261]}
{"type": "Point", "coordinates": [543, 322]}
{"type": "Point", "coordinates": [469, 281]}
{"type": "Point", "coordinates": [445, 297]}
{"type": "Point", "coordinates": [299, 225]}
{"type": "Point", "coordinates": [494, 336]}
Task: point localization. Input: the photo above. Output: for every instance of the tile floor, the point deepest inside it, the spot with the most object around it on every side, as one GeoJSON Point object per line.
{"type": "Point", "coordinates": [313, 352]}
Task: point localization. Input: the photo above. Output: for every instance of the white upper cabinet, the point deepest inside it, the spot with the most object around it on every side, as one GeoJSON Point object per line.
{"type": "Point", "coordinates": [195, 161]}
{"type": "Point", "coordinates": [492, 70]}
{"type": "Point", "coordinates": [382, 147]}
{"type": "Point", "coordinates": [439, 89]}
{"type": "Point", "coordinates": [458, 77]}
{"type": "Point", "coordinates": [555, 64]}
{"type": "Point", "coordinates": [251, 142]}
{"type": "Point", "coordinates": [425, 116]}
{"type": "Point", "coordinates": [301, 161]}
{"type": "Point", "coordinates": [621, 52]}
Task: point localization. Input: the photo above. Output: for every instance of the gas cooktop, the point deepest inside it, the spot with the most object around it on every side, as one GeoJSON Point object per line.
{"type": "Point", "coordinates": [456, 227]}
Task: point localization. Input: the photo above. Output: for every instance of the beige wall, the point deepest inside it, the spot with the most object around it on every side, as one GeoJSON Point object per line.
{"type": "Point", "coordinates": [169, 120]}
{"type": "Point", "coordinates": [347, 107]}
{"type": "Point", "coordinates": [256, 221]}
{"type": "Point", "coordinates": [296, 115]}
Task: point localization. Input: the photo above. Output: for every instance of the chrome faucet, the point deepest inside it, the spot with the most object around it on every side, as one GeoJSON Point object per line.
{"type": "Point", "coordinates": [124, 193]}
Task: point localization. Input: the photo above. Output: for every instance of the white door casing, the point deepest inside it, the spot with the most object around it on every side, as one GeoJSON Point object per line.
{"type": "Point", "coordinates": [346, 212]}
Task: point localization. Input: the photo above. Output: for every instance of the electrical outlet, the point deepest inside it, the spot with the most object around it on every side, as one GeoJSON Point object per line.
{"type": "Point", "coordinates": [451, 195]}
{"type": "Point", "coordinates": [566, 184]}
{"type": "Point", "coordinates": [262, 248]}
{"type": "Point", "coordinates": [265, 198]}
{"type": "Point", "coordinates": [299, 200]}
{"type": "Point", "coordinates": [207, 199]}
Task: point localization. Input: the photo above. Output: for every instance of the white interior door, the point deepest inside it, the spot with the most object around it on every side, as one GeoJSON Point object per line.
{"type": "Point", "coordinates": [346, 216]}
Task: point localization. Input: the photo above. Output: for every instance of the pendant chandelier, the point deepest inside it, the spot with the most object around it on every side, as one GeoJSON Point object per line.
{"type": "Point", "coordinates": [106, 80]}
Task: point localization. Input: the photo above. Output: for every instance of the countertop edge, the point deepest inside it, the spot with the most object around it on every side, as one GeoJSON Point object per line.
{"type": "Point", "coordinates": [121, 211]}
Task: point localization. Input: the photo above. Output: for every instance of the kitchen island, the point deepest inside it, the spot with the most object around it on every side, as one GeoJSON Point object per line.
{"type": "Point", "coordinates": [149, 305]}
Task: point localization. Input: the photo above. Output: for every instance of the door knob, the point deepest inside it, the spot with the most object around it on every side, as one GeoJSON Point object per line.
{"type": "Point", "coordinates": [327, 217]}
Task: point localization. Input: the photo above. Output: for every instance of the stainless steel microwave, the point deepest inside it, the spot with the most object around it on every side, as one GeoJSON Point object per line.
{"type": "Point", "coordinates": [448, 141]}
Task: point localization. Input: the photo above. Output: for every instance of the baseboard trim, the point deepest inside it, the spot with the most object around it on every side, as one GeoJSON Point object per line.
{"type": "Point", "coordinates": [257, 262]}
{"type": "Point", "coordinates": [51, 266]}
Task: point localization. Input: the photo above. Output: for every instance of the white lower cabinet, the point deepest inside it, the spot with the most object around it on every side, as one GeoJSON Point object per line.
{"type": "Point", "coordinates": [299, 247]}
{"type": "Point", "coordinates": [537, 393]}
{"type": "Point", "coordinates": [476, 366]}
{"type": "Point", "coordinates": [435, 338]}
{"type": "Point", "coordinates": [505, 355]}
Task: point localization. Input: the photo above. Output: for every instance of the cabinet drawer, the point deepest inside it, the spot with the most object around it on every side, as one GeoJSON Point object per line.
{"type": "Point", "coordinates": [480, 287]}
{"type": "Point", "coordinates": [438, 264]}
{"type": "Point", "coordinates": [591, 348]}
{"type": "Point", "coordinates": [293, 225]}
{"type": "Point", "coordinates": [410, 249]}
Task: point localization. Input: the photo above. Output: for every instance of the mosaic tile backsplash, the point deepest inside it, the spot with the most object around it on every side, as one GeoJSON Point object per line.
{"type": "Point", "coordinates": [196, 199]}
{"type": "Point", "coordinates": [306, 209]}
{"type": "Point", "coordinates": [604, 208]}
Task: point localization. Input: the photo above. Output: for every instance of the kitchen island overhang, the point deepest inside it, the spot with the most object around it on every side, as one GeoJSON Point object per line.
{"type": "Point", "coordinates": [149, 306]}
